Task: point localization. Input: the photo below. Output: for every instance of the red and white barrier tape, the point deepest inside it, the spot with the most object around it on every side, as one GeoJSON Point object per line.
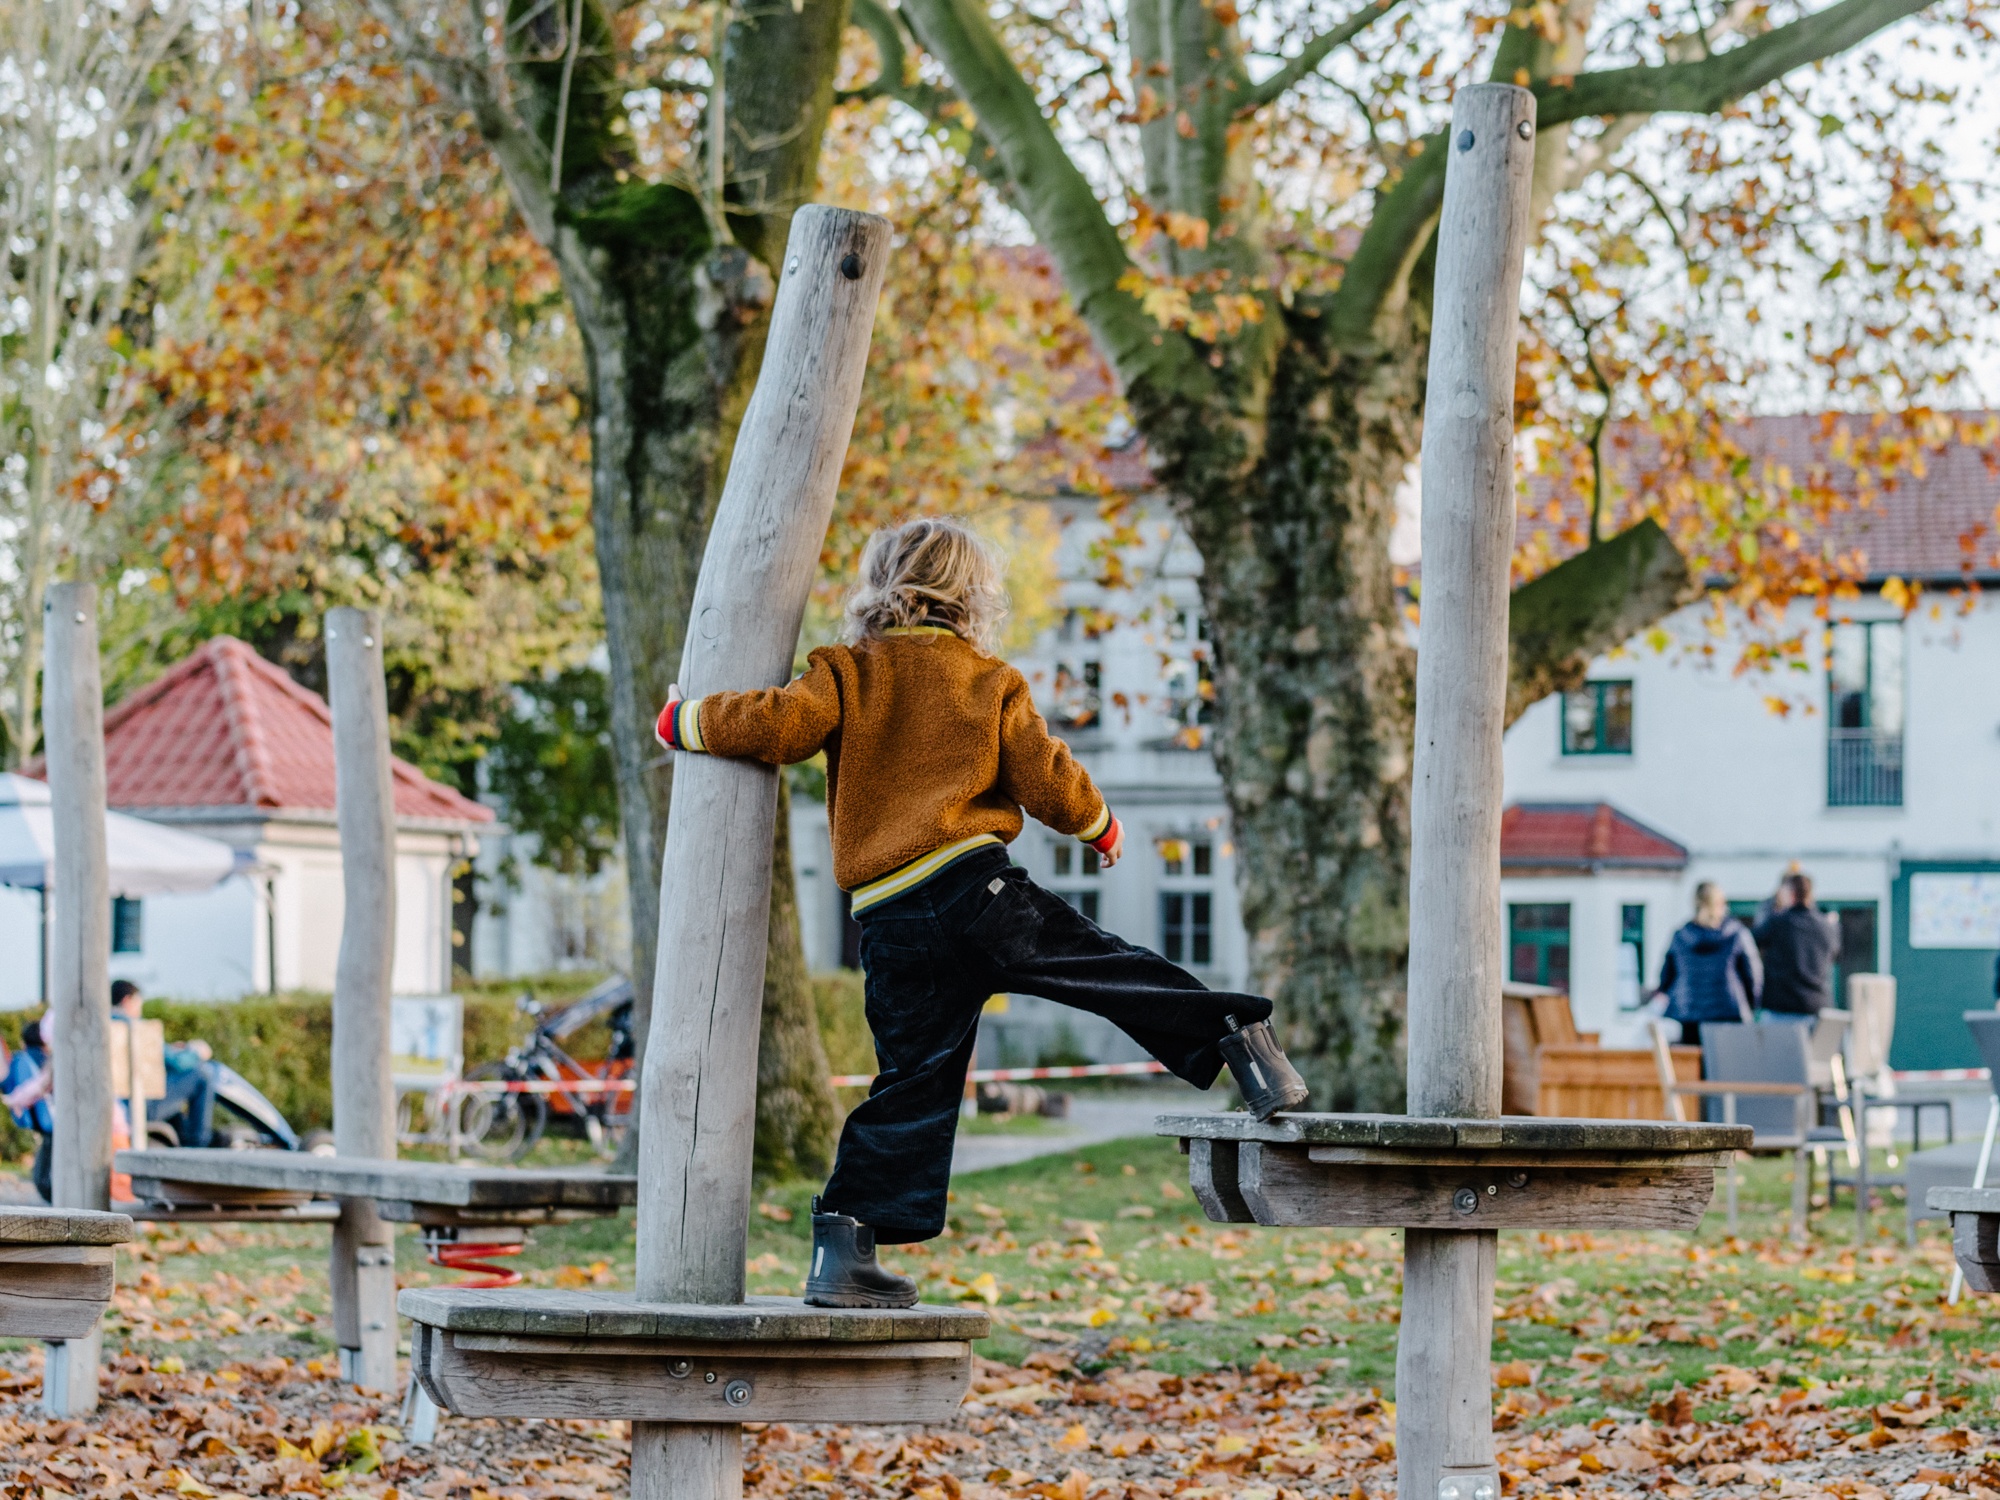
{"type": "Point", "coordinates": [1942, 1075]}
{"type": "Point", "coordinates": [1022, 1075]}
{"type": "Point", "coordinates": [538, 1086]}
{"type": "Point", "coordinates": [838, 1080]}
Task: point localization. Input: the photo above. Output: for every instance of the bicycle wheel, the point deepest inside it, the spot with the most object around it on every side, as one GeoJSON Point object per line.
{"type": "Point", "coordinates": [501, 1127]}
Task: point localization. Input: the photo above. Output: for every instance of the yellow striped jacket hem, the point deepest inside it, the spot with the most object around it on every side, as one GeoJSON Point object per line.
{"type": "Point", "coordinates": [916, 872]}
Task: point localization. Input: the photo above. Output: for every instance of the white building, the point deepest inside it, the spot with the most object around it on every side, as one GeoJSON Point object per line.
{"type": "Point", "coordinates": [226, 744]}
{"type": "Point", "coordinates": [1876, 769]}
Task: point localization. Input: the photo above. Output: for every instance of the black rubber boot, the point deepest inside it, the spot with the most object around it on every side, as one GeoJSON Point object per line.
{"type": "Point", "coordinates": [844, 1270]}
{"type": "Point", "coordinates": [1268, 1080]}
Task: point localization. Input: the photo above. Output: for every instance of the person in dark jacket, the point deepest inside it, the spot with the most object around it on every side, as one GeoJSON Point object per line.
{"type": "Point", "coordinates": [25, 1092]}
{"type": "Point", "coordinates": [1711, 971]}
{"type": "Point", "coordinates": [1799, 943]}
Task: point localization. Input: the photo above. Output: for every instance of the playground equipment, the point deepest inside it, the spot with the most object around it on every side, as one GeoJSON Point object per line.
{"type": "Point", "coordinates": [1451, 1173]}
{"type": "Point", "coordinates": [56, 1270]}
{"type": "Point", "coordinates": [687, 1358]}
{"type": "Point", "coordinates": [79, 987]}
{"type": "Point", "coordinates": [470, 1220]}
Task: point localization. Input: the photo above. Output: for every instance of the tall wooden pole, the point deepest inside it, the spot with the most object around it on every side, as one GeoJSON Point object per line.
{"type": "Point", "coordinates": [79, 948]}
{"type": "Point", "coordinates": [1444, 1411]}
{"type": "Point", "coordinates": [699, 1080]}
{"type": "Point", "coordinates": [363, 1270]}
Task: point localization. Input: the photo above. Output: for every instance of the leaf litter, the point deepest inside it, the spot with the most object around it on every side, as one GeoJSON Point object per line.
{"type": "Point", "coordinates": [1139, 1359]}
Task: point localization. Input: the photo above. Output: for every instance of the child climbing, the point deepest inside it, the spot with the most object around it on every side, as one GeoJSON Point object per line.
{"type": "Point", "coordinates": [934, 750]}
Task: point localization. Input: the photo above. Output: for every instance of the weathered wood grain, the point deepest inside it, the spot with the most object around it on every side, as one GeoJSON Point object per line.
{"type": "Point", "coordinates": [54, 1291]}
{"type": "Point", "coordinates": [700, 1069]}
{"type": "Point", "coordinates": [61, 1226]}
{"type": "Point", "coordinates": [697, 1100]}
{"type": "Point", "coordinates": [1444, 1413]}
{"type": "Point", "coordinates": [1212, 1178]}
{"type": "Point", "coordinates": [1391, 1156]}
{"type": "Point", "coordinates": [1283, 1185]}
{"type": "Point", "coordinates": [79, 947]}
{"type": "Point", "coordinates": [1975, 1243]}
{"type": "Point", "coordinates": [1511, 1133]}
{"type": "Point", "coordinates": [619, 1315]}
{"type": "Point", "coordinates": [1964, 1200]}
{"type": "Point", "coordinates": [362, 1264]}
{"type": "Point", "coordinates": [918, 1382]}
{"type": "Point", "coordinates": [192, 1171]}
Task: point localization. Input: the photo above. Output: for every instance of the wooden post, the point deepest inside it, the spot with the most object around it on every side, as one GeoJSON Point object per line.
{"type": "Point", "coordinates": [79, 948]}
{"type": "Point", "coordinates": [363, 1269]}
{"type": "Point", "coordinates": [700, 1069]}
{"type": "Point", "coordinates": [1444, 1413]}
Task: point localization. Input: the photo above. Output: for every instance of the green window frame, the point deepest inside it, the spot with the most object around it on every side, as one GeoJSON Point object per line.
{"type": "Point", "coordinates": [1597, 718]}
{"type": "Point", "coordinates": [1538, 943]}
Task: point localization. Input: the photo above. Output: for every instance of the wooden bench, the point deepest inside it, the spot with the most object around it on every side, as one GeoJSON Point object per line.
{"type": "Point", "coordinates": [469, 1216]}
{"type": "Point", "coordinates": [1975, 1232]}
{"type": "Point", "coordinates": [56, 1271]}
{"type": "Point", "coordinates": [189, 1183]}
{"type": "Point", "coordinates": [1553, 1070]}
{"type": "Point", "coordinates": [1355, 1171]}
{"type": "Point", "coordinates": [605, 1355]}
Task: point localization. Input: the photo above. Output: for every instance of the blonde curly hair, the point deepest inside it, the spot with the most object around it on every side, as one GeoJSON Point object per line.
{"type": "Point", "coordinates": [930, 571]}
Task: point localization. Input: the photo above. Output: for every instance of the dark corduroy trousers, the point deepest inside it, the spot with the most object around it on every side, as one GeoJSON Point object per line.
{"type": "Point", "coordinates": [933, 956]}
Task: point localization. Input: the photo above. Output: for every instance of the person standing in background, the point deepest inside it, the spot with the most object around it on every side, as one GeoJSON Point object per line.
{"type": "Point", "coordinates": [1798, 943]}
{"type": "Point", "coordinates": [1711, 971]}
{"type": "Point", "coordinates": [25, 1090]}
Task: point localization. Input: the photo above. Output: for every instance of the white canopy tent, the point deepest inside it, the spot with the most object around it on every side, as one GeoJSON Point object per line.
{"type": "Point", "coordinates": [147, 859]}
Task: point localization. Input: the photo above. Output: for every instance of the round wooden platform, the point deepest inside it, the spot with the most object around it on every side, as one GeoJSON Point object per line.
{"type": "Point", "coordinates": [1396, 1171]}
{"type": "Point", "coordinates": [604, 1354]}
{"type": "Point", "coordinates": [56, 1270]}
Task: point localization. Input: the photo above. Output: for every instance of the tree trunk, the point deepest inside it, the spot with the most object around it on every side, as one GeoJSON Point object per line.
{"type": "Point", "coordinates": [673, 327]}
{"type": "Point", "coordinates": [1314, 675]}
{"type": "Point", "coordinates": [797, 1117]}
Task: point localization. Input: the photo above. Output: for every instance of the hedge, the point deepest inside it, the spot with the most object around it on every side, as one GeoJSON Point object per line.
{"type": "Point", "coordinates": [284, 1043]}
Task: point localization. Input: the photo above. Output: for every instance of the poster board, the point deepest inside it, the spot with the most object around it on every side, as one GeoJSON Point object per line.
{"type": "Point", "coordinates": [426, 1040]}
{"type": "Point", "coordinates": [1952, 909]}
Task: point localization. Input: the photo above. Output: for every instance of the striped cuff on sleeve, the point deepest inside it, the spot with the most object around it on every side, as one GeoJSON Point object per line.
{"type": "Point", "coordinates": [1102, 832]}
{"type": "Point", "coordinates": [679, 727]}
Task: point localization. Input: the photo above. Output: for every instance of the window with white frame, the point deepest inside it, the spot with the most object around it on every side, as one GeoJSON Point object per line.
{"type": "Point", "coordinates": [1187, 900]}
{"type": "Point", "coordinates": [1077, 870]}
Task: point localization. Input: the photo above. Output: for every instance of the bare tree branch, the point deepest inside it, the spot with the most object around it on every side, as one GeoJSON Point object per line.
{"type": "Point", "coordinates": [1406, 211]}
{"type": "Point", "coordinates": [1316, 52]}
{"type": "Point", "coordinates": [1704, 86]}
{"type": "Point", "coordinates": [1054, 196]}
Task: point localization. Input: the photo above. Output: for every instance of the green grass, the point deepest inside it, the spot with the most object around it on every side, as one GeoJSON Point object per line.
{"type": "Point", "coordinates": [1103, 1253]}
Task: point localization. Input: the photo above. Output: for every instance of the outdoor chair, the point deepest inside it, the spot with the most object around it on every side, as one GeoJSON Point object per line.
{"type": "Point", "coordinates": [1850, 1079]}
{"type": "Point", "coordinates": [1757, 1074]}
{"type": "Point", "coordinates": [1985, 1028]}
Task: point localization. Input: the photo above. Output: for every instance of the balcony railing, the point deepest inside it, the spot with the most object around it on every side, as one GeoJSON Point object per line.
{"type": "Point", "coordinates": [1864, 768]}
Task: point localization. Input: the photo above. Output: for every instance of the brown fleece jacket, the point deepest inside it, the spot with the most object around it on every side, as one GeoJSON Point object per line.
{"type": "Point", "coordinates": [928, 741]}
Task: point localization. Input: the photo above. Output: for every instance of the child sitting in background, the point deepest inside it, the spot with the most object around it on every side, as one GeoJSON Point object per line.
{"type": "Point", "coordinates": [933, 750]}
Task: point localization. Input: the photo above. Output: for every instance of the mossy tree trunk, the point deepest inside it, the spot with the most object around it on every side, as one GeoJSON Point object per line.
{"type": "Point", "coordinates": [1282, 436]}
{"type": "Point", "coordinates": [672, 298]}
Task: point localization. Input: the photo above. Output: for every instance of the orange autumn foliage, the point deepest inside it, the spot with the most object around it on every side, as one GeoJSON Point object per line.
{"type": "Point", "coordinates": [361, 352]}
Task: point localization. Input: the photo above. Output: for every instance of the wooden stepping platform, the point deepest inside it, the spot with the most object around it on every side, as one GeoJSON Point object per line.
{"type": "Point", "coordinates": [1975, 1232]}
{"type": "Point", "coordinates": [607, 1355]}
{"type": "Point", "coordinates": [210, 1183]}
{"type": "Point", "coordinates": [56, 1270]}
{"type": "Point", "coordinates": [1395, 1171]}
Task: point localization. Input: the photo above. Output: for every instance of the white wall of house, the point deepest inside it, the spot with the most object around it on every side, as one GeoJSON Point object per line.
{"type": "Point", "coordinates": [1739, 769]}
{"type": "Point", "coordinates": [532, 920]}
{"type": "Point", "coordinates": [217, 944]}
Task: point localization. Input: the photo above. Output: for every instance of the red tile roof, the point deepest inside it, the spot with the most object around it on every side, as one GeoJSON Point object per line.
{"type": "Point", "coordinates": [1929, 511]}
{"type": "Point", "coordinates": [1582, 836]}
{"type": "Point", "coordinates": [228, 729]}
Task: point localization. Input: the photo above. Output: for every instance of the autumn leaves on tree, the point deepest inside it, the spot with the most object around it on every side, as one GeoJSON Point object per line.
{"type": "Point", "coordinates": [472, 279]}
